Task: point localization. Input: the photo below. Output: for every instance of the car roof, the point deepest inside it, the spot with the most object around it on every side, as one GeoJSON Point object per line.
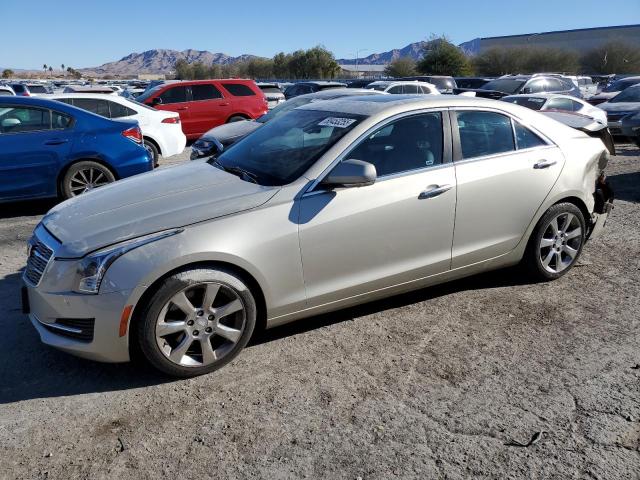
{"type": "Point", "coordinates": [103, 96]}
{"type": "Point", "coordinates": [339, 92]}
{"type": "Point", "coordinates": [321, 83]}
{"type": "Point", "coordinates": [401, 82]}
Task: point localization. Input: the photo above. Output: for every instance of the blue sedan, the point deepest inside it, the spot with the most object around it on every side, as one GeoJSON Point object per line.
{"type": "Point", "coordinates": [50, 149]}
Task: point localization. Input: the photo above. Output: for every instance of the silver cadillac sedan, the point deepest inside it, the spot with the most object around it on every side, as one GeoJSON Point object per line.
{"type": "Point", "coordinates": [334, 204]}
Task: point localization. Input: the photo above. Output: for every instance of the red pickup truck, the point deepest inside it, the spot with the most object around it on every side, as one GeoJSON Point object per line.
{"type": "Point", "coordinates": [204, 104]}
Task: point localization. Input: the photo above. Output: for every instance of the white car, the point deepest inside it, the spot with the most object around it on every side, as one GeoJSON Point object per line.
{"type": "Point", "coordinates": [6, 90]}
{"type": "Point", "coordinates": [161, 130]}
{"type": "Point", "coordinates": [404, 88]}
{"type": "Point", "coordinates": [272, 93]}
{"type": "Point", "coordinates": [554, 101]}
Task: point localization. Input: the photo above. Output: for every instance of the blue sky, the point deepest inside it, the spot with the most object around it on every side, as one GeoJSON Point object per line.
{"type": "Point", "coordinates": [88, 33]}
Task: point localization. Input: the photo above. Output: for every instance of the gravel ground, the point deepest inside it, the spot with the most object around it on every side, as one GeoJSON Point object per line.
{"type": "Point", "coordinates": [447, 382]}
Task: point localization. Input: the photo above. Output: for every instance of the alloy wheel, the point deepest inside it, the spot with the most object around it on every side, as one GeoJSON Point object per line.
{"type": "Point", "coordinates": [87, 179]}
{"type": "Point", "coordinates": [200, 324]}
{"type": "Point", "coordinates": [560, 242]}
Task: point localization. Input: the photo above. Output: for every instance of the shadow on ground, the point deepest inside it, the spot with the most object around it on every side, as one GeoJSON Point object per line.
{"type": "Point", "coordinates": [32, 370]}
{"type": "Point", "coordinates": [27, 208]}
{"type": "Point", "coordinates": [626, 186]}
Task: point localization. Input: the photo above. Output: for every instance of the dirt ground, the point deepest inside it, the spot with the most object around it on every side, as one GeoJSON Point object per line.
{"type": "Point", "coordinates": [447, 382]}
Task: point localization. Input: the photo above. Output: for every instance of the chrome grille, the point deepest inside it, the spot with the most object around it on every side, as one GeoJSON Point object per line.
{"type": "Point", "coordinates": [39, 256]}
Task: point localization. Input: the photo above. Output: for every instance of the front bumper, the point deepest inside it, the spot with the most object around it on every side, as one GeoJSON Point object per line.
{"type": "Point", "coordinates": [52, 313]}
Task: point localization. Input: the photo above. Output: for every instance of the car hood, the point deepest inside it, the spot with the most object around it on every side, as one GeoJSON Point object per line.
{"type": "Point", "coordinates": [230, 131]}
{"type": "Point", "coordinates": [149, 203]}
{"type": "Point", "coordinates": [620, 106]}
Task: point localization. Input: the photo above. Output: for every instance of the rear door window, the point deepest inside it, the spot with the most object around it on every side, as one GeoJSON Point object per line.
{"type": "Point", "coordinates": [484, 133]}
{"type": "Point", "coordinates": [238, 89]}
{"type": "Point", "coordinates": [88, 104]}
{"type": "Point", "coordinates": [409, 89]}
{"type": "Point", "coordinates": [119, 111]}
{"type": "Point", "coordinates": [525, 138]}
{"type": "Point", "coordinates": [177, 94]}
{"type": "Point", "coordinates": [205, 92]}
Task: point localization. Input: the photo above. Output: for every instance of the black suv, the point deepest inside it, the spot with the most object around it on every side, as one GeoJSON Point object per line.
{"type": "Point", "coordinates": [516, 84]}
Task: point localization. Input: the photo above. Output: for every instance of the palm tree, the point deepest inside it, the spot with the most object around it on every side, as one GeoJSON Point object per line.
{"type": "Point", "coordinates": [44, 67]}
{"type": "Point", "coordinates": [62, 68]}
{"type": "Point", "coordinates": [50, 70]}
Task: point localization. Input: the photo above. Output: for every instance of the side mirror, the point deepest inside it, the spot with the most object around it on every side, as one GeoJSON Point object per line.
{"type": "Point", "coordinates": [351, 173]}
{"type": "Point", "coordinates": [527, 90]}
{"type": "Point", "coordinates": [216, 147]}
{"type": "Point", "coordinates": [156, 101]}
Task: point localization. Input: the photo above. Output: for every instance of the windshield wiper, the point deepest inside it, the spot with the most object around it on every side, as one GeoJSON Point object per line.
{"type": "Point", "coordinates": [237, 171]}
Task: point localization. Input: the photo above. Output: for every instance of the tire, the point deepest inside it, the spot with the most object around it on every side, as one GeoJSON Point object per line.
{"type": "Point", "coordinates": [554, 246]}
{"type": "Point", "coordinates": [173, 338]}
{"type": "Point", "coordinates": [95, 174]}
{"type": "Point", "coordinates": [236, 118]}
{"type": "Point", "coordinates": [153, 151]}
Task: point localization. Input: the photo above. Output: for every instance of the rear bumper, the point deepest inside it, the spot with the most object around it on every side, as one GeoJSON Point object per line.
{"type": "Point", "coordinates": [603, 206]}
{"type": "Point", "coordinates": [173, 144]}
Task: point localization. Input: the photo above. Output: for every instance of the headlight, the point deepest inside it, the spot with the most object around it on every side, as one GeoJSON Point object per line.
{"type": "Point", "coordinates": [204, 144]}
{"type": "Point", "coordinates": [93, 267]}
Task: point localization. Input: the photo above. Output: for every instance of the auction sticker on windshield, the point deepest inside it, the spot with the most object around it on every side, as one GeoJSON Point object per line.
{"type": "Point", "coordinates": [336, 122]}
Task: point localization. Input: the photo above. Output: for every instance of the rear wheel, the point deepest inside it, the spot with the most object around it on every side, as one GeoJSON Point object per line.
{"type": "Point", "coordinates": [85, 176]}
{"type": "Point", "coordinates": [153, 151]}
{"type": "Point", "coordinates": [556, 242]}
{"type": "Point", "coordinates": [197, 322]}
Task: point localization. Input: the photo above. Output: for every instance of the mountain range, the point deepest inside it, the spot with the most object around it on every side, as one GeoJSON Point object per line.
{"type": "Point", "coordinates": [162, 61]}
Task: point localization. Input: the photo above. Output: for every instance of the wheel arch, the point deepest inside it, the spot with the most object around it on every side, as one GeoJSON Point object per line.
{"type": "Point", "coordinates": [155, 143]}
{"type": "Point", "coordinates": [578, 202]}
{"type": "Point", "coordinates": [245, 276]}
{"type": "Point", "coordinates": [66, 168]}
{"type": "Point", "coordinates": [240, 114]}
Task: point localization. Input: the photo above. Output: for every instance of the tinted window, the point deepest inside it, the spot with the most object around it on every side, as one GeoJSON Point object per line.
{"type": "Point", "coordinates": [205, 92]}
{"type": "Point", "coordinates": [560, 104]}
{"type": "Point", "coordinates": [176, 94]}
{"type": "Point", "coordinates": [88, 104]}
{"type": "Point", "coordinates": [395, 90]}
{"type": "Point", "coordinates": [525, 138]}
{"type": "Point", "coordinates": [534, 103]}
{"type": "Point", "coordinates": [281, 150]}
{"type": "Point", "coordinates": [19, 119]}
{"type": "Point", "coordinates": [37, 89]}
{"type": "Point", "coordinates": [103, 108]}
{"type": "Point", "coordinates": [406, 144]}
{"type": "Point", "coordinates": [68, 101]}
{"type": "Point", "coordinates": [410, 89]}
{"type": "Point", "coordinates": [628, 95]}
{"type": "Point", "coordinates": [484, 133]}
{"type": "Point", "coordinates": [5, 92]}
{"type": "Point", "coordinates": [118, 111]}
{"type": "Point", "coordinates": [503, 85]}
{"type": "Point", "coordinates": [270, 89]}
{"type": "Point", "coordinates": [18, 88]}
{"type": "Point", "coordinates": [60, 120]}
{"type": "Point", "coordinates": [536, 86]}
{"type": "Point", "coordinates": [238, 89]}
{"type": "Point", "coordinates": [555, 85]}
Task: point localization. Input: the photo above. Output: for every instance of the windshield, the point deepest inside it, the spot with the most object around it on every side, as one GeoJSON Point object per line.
{"type": "Point", "coordinates": [629, 95]}
{"type": "Point", "coordinates": [534, 103]}
{"type": "Point", "coordinates": [285, 148]}
{"type": "Point", "coordinates": [379, 87]}
{"type": "Point", "coordinates": [283, 108]}
{"type": "Point", "coordinates": [506, 85]}
{"type": "Point", "coordinates": [619, 85]}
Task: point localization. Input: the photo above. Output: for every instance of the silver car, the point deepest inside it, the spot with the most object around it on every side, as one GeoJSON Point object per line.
{"type": "Point", "coordinates": [334, 204]}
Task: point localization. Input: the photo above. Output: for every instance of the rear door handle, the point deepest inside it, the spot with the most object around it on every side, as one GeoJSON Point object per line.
{"type": "Point", "coordinates": [224, 104]}
{"type": "Point", "coordinates": [433, 191]}
{"type": "Point", "coordinates": [544, 164]}
{"type": "Point", "coordinates": [56, 141]}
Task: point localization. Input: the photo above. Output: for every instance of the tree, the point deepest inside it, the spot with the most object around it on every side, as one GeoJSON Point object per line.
{"type": "Point", "coordinates": [50, 70]}
{"type": "Point", "coordinates": [503, 60]}
{"type": "Point", "coordinates": [62, 68]}
{"type": "Point", "coordinates": [7, 73]}
{"type": "Point", "coordinates": [612, 57]}
{"type": "Point", "coordinates": [441, 57]}
{"type": "Point", "coordinates": [401, 67]}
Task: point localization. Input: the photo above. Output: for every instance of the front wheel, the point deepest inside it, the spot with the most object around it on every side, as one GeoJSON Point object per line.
{"type": "Point", "coordinates": [196, 322]}
{"type": "Point", "coordinates": [556, 242]}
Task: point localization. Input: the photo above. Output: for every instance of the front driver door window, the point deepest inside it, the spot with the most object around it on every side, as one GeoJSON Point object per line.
{"type": "Point", "coordinates": [354, 240]}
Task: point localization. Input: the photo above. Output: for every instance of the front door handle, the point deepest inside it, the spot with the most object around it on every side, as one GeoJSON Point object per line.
{"type": "Point", "coordinates": [544, 164]}
{"type": "Point", "coordinates": [56, 141]}
{"type": "Point", "coordinates": [433, 191]}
